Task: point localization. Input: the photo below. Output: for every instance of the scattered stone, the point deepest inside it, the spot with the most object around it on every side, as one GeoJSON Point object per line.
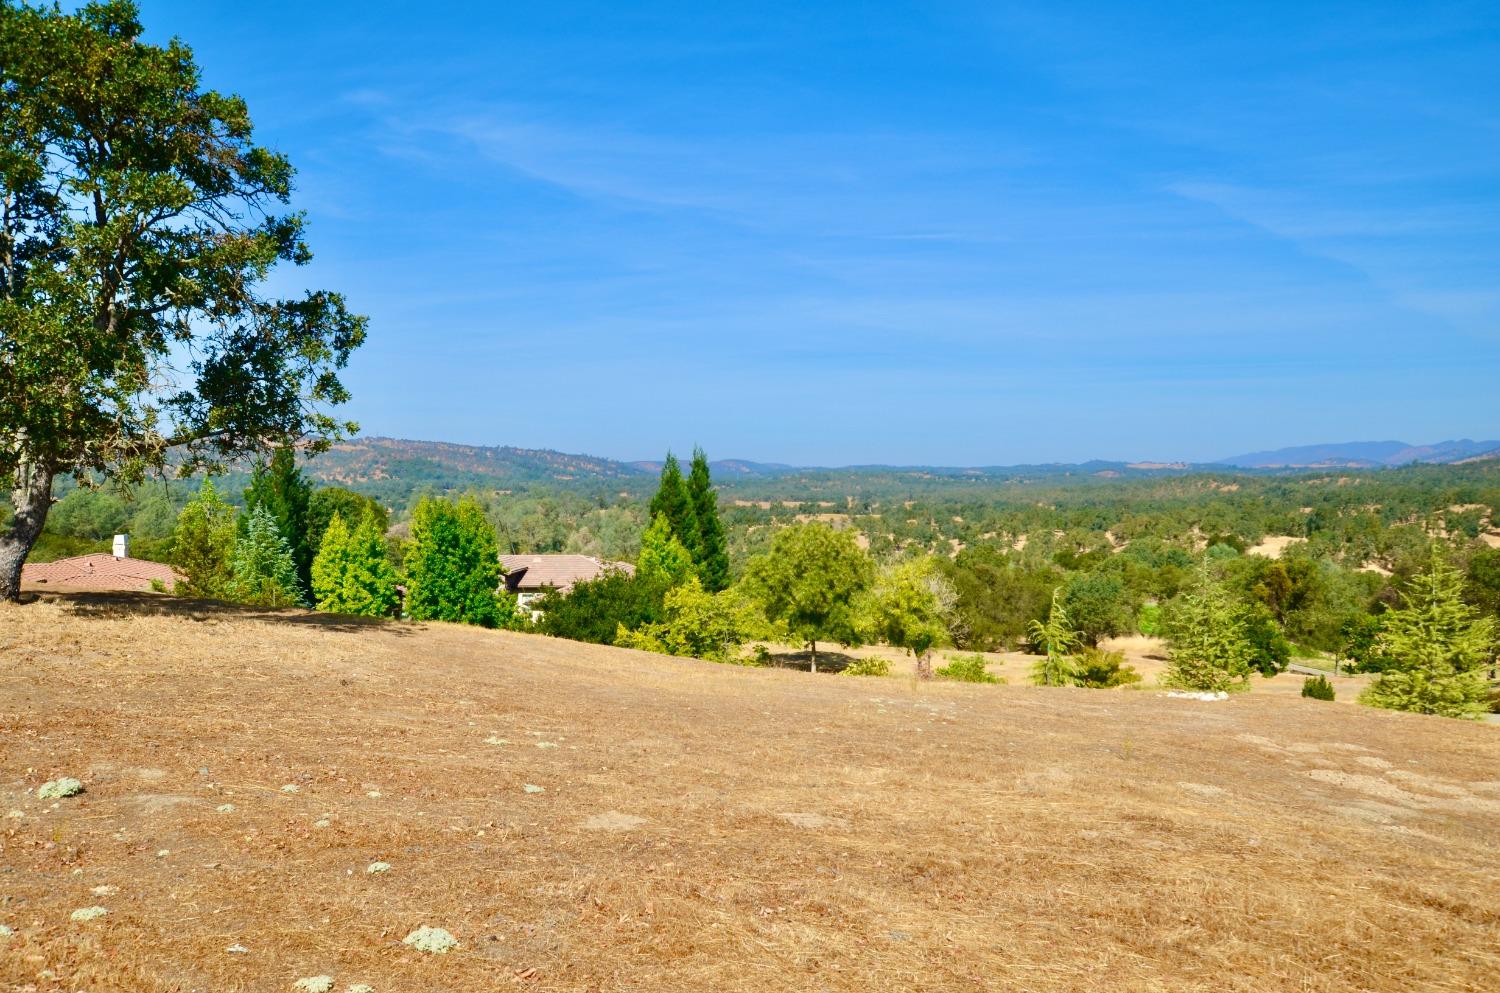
{"type": "Point", "coordinates": [57, 789]}
{"type": "Point", "coordinates": [325, 822]}
{"type": "Point", "coordinates": [314, 984]}
{"type": "Point", "coordinates": [225, 808]}
{"type": "Point", "coordinates": [164, 853]}
{"type": "Point", "coordinates": [613, 821]}
{"type": "Point", "coordinates": [5, 931]}
{"type": "Point", "coordinates": [492, 740]}
{"type": "Point", "coordinates": [374, 794]}
{"type": "Point", "coordinates": [432, 940]}
{"type": "Point", "coordinates": [293, 788]}
{"type": "Point", "coordinates": [16, 815]}
{"type": "Point", "coordinates": [546, 744]}
{"type": "Point", "coordinates": [360, 988]}
{"type": "Point", "coordinates": [237, 950]}
{"type": "Point", "coordinates": [87, 914]}
{"type": "Point", "coordinates": [105, 890]}
{"type": "Point", "coordinates": [1205, 696]}
{"type": "Point", "coordinates": [376, 868]}
{"type": "Point", "coordinates": [533, 788]}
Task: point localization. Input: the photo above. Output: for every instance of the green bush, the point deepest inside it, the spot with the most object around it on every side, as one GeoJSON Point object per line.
{"type": "Point", "coordinates": [966, 669]}
{"type": "Point", "coordinates": [1317, 687]}
{"type": "Point", "coordinates": [868, 667]}
{"type": "Point", "coordinates": [1100, 669]}
{"type": "Point", "coordinates": [1148, 621]}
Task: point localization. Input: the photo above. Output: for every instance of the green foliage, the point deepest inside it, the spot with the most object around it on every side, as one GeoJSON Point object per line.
{"type": "Point", "coordinates": [1482, 584]}
{"type": "Point", "coordinates": [598, 609]}
{"type": "Point", "coordinates": [674, 502]}
{"type": "Point", "coordinates": [996, 596]}
{"type": "Point", "coordinates": [909, 609]}
{"type": "Point", "coordinates": [1317, 688]}
{"type": "Point", "coordinates": [353, 507]}
{"type": "Point", "coordinates": [1270, 651]}
{"type": "Point", "coordinates": [1437, 646]}
{"type": "Point", "coordinates": [810, 581]}
{"type": "Point", "coordinates": [1148, 620]}
{"type": "Point", "coordinates": [712, 553]}
{"type": "Point", "coordinates": [453, 566]}
{"type": "Point", "coordinates": [264, 574]}
{"type": "Point", "coordinates": [1100, 669]}
{"type": "Point", "coordinates": [350, 574]}
{"type": "Point", "coordinates": [280, 488]}
{"type": "Point", "coordinates": [873, 666]}
{"type": "Point", "coordinates": [1097, 606]}
{"type": "Point", "coordinates": [697, 624]}
{"type": "Point", "coordinates": [1360, 643]}
{"type": "Point", "coordinates": [203, 545]}
{"type": "Point", "coordinates": [664, 561]}
{"type": "Point", "coordinates": [1209, 649]}
{"type": "Point", "coordinates": [141, 222]}
{"type": "Point", "coordinates": [969, 668]}
{"type": "Point", "coordinates": [1058, 643]}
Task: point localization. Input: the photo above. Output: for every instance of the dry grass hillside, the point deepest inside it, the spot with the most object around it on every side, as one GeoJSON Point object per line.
{"type": "Point", "coordinates": [701, 827]}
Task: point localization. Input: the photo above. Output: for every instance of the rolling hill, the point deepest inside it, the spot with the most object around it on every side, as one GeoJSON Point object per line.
{"type": "Point", "coordinates": [1365, 455]}
{"type": "Point", "coordinates": [278, 795]}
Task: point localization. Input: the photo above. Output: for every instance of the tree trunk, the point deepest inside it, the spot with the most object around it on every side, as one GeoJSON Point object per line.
{"type": "Point", "coordinates": [31, 498]}
{"type": "Point", "coordinates": [924, 665]}
{"type": "Point", "coordinates": [813, 645]}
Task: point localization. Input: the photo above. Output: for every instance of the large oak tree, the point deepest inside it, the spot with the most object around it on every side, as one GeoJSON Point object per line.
{"type": "Point", "coordinates": [138, 223]}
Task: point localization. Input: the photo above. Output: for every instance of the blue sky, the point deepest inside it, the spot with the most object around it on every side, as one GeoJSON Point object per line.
{"type": "Point", "coordinates": [935, 233]}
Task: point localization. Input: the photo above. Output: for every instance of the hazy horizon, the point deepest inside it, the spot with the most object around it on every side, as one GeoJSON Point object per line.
{"type": "Point", "coordinates": [941, 234]}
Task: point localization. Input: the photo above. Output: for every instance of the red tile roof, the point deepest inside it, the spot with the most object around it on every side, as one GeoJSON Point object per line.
{"type": "Point", "coordinates": [98, 571]}
{"type": "Point", "coordinates": [537, 572]}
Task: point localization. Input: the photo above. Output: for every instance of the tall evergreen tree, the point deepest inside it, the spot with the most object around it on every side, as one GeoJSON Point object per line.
{"type": "Point", "coordinates": [286, 495]}
{"type": "Point", "coordinates": [1209, 647]}
{"type": "Point", "coordinates": [453, 565]}
{"type": "Point", "coordinates": [350, 573]}
{"type": "Point", "coordinates": [673, 502]}
{"type": "Point", "coordinates": [203, 545]}
{"type": "Point", "coordinates": [1059, 642]}
{"type": "Point", "coordinates": [712, 553]}
{"type": "Point", "coordinates": [263, 571]}
{"type": "Point", "coordinates": [1437, 646]}
{"type": "Point", "coordinates": [663, 561]}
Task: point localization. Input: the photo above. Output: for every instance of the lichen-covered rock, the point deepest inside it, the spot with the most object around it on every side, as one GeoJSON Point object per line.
{"type": "Point", "coordinates": [375, 868]}
{"type": "Point", "coordinates": [314, 984]}
{"type": "Point", "coordinates": [87, 914]}
{"type": "Point", "coordinates": [360, 988]}
{"type": "Point", "coordinates": [225, 808]}
{"type": "Point", "coordinates": [5, 931]}
{"type": "Point", "coordinates": [57, 789]}
{"type": "Point", "coordinates": [432, 940]}
{"type": "Point", "coordinates": [292, 788]}
{"type": "Point", "coordinates": [533, 788]}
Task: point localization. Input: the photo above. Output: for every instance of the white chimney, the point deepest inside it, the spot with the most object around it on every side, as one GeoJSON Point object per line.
{"type": "Point", "coordinates": [122, 546]}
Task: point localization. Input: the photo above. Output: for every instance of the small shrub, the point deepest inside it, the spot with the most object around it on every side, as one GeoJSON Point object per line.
{"type": "Point", "coordinates": [58, 789]}
{"type": "Point", "coordinates": [966, 669]}
{"type": "Point", "coordinates": [432, 940]}
{"type": "Point", "coordinates": [1099, 669]}
{"type": "Point", "coordinates": [868, 667]}
{"type": "Point", "coordinates": [1317, 687]}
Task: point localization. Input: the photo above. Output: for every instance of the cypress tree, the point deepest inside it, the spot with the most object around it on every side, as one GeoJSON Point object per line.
{"type": "Point", "coordinates": [673, 502]}
{"type": "Point", "coordinates": [1437, 646]}
{"type": "Point", "coordinates": [712, 553]}
{"type": "Point", "coordinates": [1208, 646]}
{"type": "Point", "coordinates": [453, 565]}
{"type": "Point", "coordinates": [203, 543]}
{"type": "Point", "coordinates": [350, 574]}
{"type": "Point", "coordinates": [263, 571]}
{"type": "Point", "coordinates": [286, 495]}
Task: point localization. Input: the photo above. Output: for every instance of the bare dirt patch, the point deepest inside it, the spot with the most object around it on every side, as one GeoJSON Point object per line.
{"type": "Point", "coordinates": [997, 836]}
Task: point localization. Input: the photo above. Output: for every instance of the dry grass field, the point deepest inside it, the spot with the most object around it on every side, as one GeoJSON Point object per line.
{"type": "Point", "coordinates": [702, 827]}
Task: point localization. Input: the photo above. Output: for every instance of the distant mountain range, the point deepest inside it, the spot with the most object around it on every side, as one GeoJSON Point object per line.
{"type": "Point", "coordinates": [397, 468]}
{"type": "Point", "coordinates": [1366, 455]}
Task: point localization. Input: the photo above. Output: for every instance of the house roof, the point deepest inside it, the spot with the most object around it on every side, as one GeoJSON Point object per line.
{"type": "Point", "coordinates": [538, 572]}
{"type": "Point", "coordinates": [98, 571]}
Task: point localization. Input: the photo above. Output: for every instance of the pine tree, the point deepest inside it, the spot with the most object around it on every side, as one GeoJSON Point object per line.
{"type": "Point", "coordinates": [203, 545]}
{"type": "Point", "coordinates": [286, 495]}
{"type": "Point", "coordinates": [453, 565]}
{"type": "Point", "coordinates": [264, 574]}
{"type": "Point", "coordinates": [1209, 647]}
{"type": "Point", "coordinates": [1437, 646]}
{"type": "Point", "coordinates": [350, 574]}
{"type": "Point", "coordinates": [673, 502]}
{"type": "Point", "coordinates": [663, 561]}
{"type": "Point", "coordinates": [1059, 644]}
{"type": "Point", "coordinates": [712, 553]}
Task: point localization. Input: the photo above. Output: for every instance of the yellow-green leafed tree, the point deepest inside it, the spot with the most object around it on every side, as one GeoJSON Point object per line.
{"type": "Point", "coordinates": [350, 574]}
